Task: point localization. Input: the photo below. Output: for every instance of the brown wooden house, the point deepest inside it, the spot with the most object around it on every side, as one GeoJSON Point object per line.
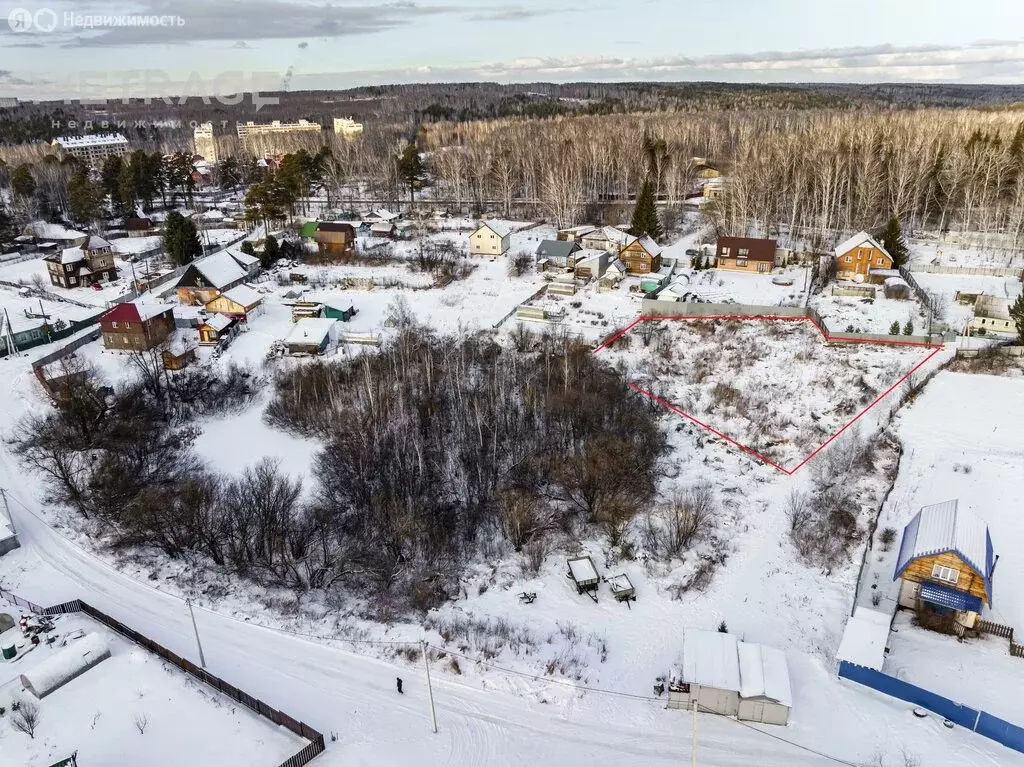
{"type": "Point", "coordinates": [82, 265]}
{"type": "Point", "coordinates": [745, 254]}
{"type": "Point", "coordinates": [859, 255]}
{"type": "Point", "coordinates": [641, 256]}
{"type": "Point", "coordinates": [334, 241]}
{"type": "Point", "coordinates": [134, 326]}
{"type": "Point", "coordinates": [946, 562]}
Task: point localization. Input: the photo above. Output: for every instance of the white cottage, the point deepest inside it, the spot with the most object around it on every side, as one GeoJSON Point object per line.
{"type": "Point", "coordinates": [491, 239]}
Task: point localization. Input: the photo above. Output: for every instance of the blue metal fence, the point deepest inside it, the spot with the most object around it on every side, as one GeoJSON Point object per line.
{"type": "Point", "coordinates": [992, 727]}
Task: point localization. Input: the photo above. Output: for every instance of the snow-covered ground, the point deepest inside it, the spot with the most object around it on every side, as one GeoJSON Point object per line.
{"type": "Point", "coordinates": [773, 386]}
{"type": "Point", "coordinates": [948, 252]}
{"type": "Point", "coordinates": [129, 245]}
{"type": "Point", "coordinates": [99, 715]}
{"type": "Point", "coordinates": [961, 440]}
{"type": "Point", "coordinates": [945, 287]}
{"type": "Point", "coordinates": [488, 715]}
{"type": "Point", "coordinates": [23, 273]}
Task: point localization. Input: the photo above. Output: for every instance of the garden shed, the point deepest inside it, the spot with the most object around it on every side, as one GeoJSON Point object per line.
{"type": "Point", "coordinates": [864, 639]}
{"type": "Point", "coordinates": [765, 693]}
{"type": "Point", "coordinates": [708, 673]}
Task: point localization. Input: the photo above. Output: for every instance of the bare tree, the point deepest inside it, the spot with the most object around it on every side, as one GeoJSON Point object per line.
{"type": "Point", "coordinates": [25, 716]}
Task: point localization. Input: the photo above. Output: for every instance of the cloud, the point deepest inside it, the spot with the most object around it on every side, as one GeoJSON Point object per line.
{"type": "Point", "coordinates": [228, 20]}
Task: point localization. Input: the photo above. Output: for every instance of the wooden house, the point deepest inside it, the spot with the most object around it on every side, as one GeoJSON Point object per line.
{"type": "Point", "coordinates": [310, 336]}
{"type": "Point", "coordinates": [492, 238]}
{"type": "Point", "coordinates": [82, 265]}
{"type": "Point", "coordinates": [607, 238]}
{"type": "Point", "coordinates": [992, 315]}
{"type": "Point", "coordinates": [139, 227]}
{"type": "Point", "coordinates": [946, 563]}
{"type": "Point", "coordinates": [745, 254]}
{"type": "Point", "coordinates": [178, 359]}
{"type": "Point", "coordinates": [641, 256]}
{"type": "Point", "coordinates": [857, 256]}
{"type": "Point", "coordinates": [614, 274]}
{"type": "Point", "coordinates": [557, 254]}
{"type": "Point", "coordinates": [240, 303]}
{"type": "Point", "coordinates": [206, 278]}
{"type": "Point", "coordinates": [134, 326]}
{"type": "Point", "coordinates": [250, 263]}
{"type": "Point", "coordinates": [217, 329]}
{"type": "Point", "coordinates": [334, 241]}
{"type": "Point", "coordinates": [584, 575]}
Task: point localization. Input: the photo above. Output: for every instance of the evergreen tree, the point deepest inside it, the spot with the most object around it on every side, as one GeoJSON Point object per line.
{"type": "Point", "coordinates": [894, 329]}
{"type": "Point", "coordinates": [85, 197]}
{"type": "Point", "coordinates": [645, 215]}
{"type": "Point", "coordinates": [908, 329]}
{"type": "Point", "coordinates": [247, 248]}
{"type": "Point", "coordinates": [892, 240]}
{"type": "Point", "coordinates": [271, 252]}
{"type": "Point", "coordinates": [1017, 315]}
{"type": "Point", "coordinates": [110, 177]}
{"type": "Point", "coordinates": [22, 182]}
{"type": "Point", "coordinates": [411, 170]}
{"type": "Point", "coordinates": [181, 240]}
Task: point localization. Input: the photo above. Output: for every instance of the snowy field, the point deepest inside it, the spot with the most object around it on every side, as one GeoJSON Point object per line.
{"type": "Point", "coordinates": [722, 286]}
{"type": "Point", "coordinates": [184, 722]}
{"type": "Point", "coordinates": [316, 657]}
{"type": "Point", "coordinates": [946, 286]}
{"type": "Point", "coordinates": [130, 245]}
{"type": "Point", "coordinates": [775, 387]}
{"type": "Point", "coordinates": [961, 440]}
{"type": "Point", "coordinates": [950, 253]}
{"type": "Point", "coordinates": [876, 316]}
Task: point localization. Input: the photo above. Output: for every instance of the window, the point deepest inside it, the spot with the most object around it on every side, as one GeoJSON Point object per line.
{"type": "Point", "coordinates": [762, 267]}
{"type": "Point", "coordinates": [743, 252]}
{"type": "Point", "coordinates": [113, 324]}
{"type": "Point", "coordinates": [72, 280]}
{"type": "Point", "coordinates": [725, 251]}
{"type": "Point", "coordinates": [69, 267]}
{"type": "Point", "coordinates": [945, 574]}
{"type": "Point", "coordinates": [881, 261]}
{"type": "Point", "coordinates": [848, 259]}
{"type": "Point", "coordinates": [741, 262]}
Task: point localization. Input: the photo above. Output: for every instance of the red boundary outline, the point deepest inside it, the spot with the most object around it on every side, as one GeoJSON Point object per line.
{"type": "Point", "coordinates": [936, 348]}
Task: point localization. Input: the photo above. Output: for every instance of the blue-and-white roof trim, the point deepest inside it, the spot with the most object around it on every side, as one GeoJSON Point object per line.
{"type": "Point", "coordinates": [944, 527]}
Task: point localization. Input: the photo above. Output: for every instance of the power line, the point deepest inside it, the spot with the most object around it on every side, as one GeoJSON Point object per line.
{"type": "Point", "coordinates": [414, 643]}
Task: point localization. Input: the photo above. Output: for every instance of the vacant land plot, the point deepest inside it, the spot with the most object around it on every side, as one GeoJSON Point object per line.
{"type": "Point", "coordinates": [774, 387]}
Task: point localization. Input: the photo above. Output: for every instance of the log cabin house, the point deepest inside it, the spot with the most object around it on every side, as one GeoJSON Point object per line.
{"type": "Point", "coordinates": [240, 302]}
{"type": "Point", "coordinates": [206, 278]}
{"type": "Point", "coordinates": [334, 241]}
{"type": "Point", "coordinates": [946, 562]}
{"type": "Point", "coordinates": [859, 255]}
{"type": "Point", "coordinates": [641, 256]}
{"type": "Point", "coordinates": [82, 265]}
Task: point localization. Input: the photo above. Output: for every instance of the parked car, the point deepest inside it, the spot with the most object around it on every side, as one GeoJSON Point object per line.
{"type": "Point", "coordinates": [97, 286]}
{"type": "Point", "coordinates": [692, 252]}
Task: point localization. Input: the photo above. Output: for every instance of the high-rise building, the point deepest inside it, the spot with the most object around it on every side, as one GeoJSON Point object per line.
{"type": "Point", "coordinates": [204, 142]}
{"type": "Point", "coordinates": [347, 128]}
{"type": "Point", "coordinates": [260, 136]}
{"type": "Point", "coordinates": [95, 148]}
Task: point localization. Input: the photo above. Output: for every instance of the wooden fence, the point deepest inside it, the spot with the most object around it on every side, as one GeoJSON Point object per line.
{"type": "Point", "coordinates": [316, 745]}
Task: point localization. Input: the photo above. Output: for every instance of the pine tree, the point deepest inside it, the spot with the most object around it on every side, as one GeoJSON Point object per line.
{"type": "Point", "coordinates": [181, 240]}
{"type": "Point", "coordinates": [645, 215]}
{"type": "Point", "coordinates": [411, 170]}
{"type": "Point", "coordinates": [1017, 315]}
{"type": "Point", "coordinates": [271, 252]}
{"type": "Point", "coordinates": [892, 240]}
{"type": "Point", "coordinates": [894, 329]}
{"type": "Point", "coordinates": [22, 182]}
{"type": "Point", "coordinates": [85, 197]}
{"type": "Point", "coordinates": [908, 329]}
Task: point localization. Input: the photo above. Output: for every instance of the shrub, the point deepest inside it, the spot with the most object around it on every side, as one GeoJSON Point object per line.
{"type": "Point", "coordinates": [887, 538]}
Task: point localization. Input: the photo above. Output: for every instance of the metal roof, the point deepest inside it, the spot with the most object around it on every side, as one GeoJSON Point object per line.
{"type": "Point", "coordinates": [947, 596]}
{"type": "Point", "coordinates": [861, 238]}
{"type": "Point", "coordinates": [557, 248]}
{"type": "Point", "coordinates": [944, 527]}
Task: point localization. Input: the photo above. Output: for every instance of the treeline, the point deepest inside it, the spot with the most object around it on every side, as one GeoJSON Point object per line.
{"type": "Point", "coordinates": [805, 177]}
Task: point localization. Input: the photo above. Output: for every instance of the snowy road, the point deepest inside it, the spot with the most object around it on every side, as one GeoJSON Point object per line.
{"type": "Point", "coordinates": [353, 696]}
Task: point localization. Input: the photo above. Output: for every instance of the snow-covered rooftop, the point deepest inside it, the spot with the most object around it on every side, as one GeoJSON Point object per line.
{"type": "Point", "coordinates": [709, 660]}
{"type": "Point", "coordinates": [650, 246]}
{"type": "Point", "coordinates": [243, 295]}
{"type": "Point", "coordinates": [945, 527]}
{"type": "Point", "coordinates": [310, 330]}
{"type": "Point", "coordinates": [218, 321]}
{"type": "Point", "coordinates": [220, 269]}
{"type": "Point", "coordinates": [861, 238]}
{"type": "Point", "coordinates": [48, 231]}
{"type": "Point", "coordinates": [96, 139]}
{"type": "Point", "coordinates": [500, 228]}
{"type": "Point", "coordinates": [764, 673]}
{"type": "Point", "coordinates": [864, 639]}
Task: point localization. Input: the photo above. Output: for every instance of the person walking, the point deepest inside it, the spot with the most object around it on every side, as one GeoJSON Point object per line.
{"type": "Point", "coordinates": [398, 683]}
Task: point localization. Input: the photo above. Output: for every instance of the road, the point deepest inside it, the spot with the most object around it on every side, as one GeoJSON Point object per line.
{"type": "Point", "coordinates": [354, 696]}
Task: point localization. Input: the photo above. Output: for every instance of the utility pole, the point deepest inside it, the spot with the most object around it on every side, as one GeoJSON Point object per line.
{"type": "Point", "coordinates": [202, 660]}
{"type": "Point", "coordinates": [693, 738]}
{"type": "Point", "coordinates": [430, 689]}
{"type": "Point", "coordinates": [7, 508]}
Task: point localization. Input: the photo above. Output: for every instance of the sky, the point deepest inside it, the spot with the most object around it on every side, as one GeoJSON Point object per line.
{"type": "Point", "coordinates": [115, 48]}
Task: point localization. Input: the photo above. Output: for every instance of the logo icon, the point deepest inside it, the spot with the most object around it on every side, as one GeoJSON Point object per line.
{"type": "Point", "coordinates": [22, 20]}
{"type": "Point", "coordinates": [19, 20]}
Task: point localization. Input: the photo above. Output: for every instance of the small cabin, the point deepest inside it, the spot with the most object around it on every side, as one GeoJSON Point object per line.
{"type": "Point", "coordinates": [310, 336]}
{"type": "Point", "coordinates": [217, 329]}
{"type": "Point", "coordinates": [584, 575]}
{"type": "Point", "coordinates": [337, 311]}
{"type": "Point", "coordinates": [240, 302]}
{"type": "Point", "coordinates": [946, 563]}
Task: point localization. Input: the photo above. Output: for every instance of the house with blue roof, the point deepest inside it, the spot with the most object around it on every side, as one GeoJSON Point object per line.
{"type": "Point", "coordinates": [946, 562]}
